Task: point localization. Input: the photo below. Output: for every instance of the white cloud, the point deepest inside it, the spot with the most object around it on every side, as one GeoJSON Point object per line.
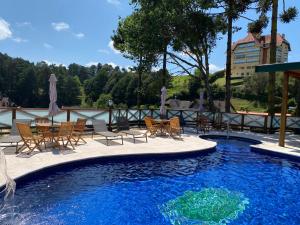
{"type": "Point", "coordinates": [61, 26]}
{"type": "Point", "coordinates": [113, 2]}
{"type": "Point", "coordinates": [104, 51]}
{"type": "Point", "coordinates": [46, 45]}
{"type": "Point", "coordinates": [111, 46]}
{"type": "Point", "coordinates": [5, 31]}
{"type": "Point", "coordinates": [214, 68]}
{"type": "Point", "coordinates": [91, 64]}
{"type": "Point", "coordinates": [79, 35]}
{"type": "Point", "coordinates": [49, 63]}
{"type": "Point", "coordinates": [24, 24]}
{"type": "Point", "coordinates": [19, 40]}
{"type": "Point", "coordinates": [112, 64]}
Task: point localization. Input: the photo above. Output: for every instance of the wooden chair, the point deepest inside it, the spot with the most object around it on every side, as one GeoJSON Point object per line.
{"type": "Point", "coordinates": [174, 127]}
{"type": "Point", "coordinates": [203, 124]}
{"type": "Point", "coordinates": [64, 134]}
{"type": "Point", "coordinates": [30, 141]}
{"type": "Point", "coordinates": [152, 128]}
{"type": "Point", "coordinates": [78, 130]}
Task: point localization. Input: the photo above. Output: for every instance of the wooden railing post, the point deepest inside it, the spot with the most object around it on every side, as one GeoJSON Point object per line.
{"type": "Point", "coordinates": [266, 124]}
{"type": "Point", "coordinates": [140, 119]}
{"type": "Point", "coordinates": [68, 115]}
{"type": "Point", "coordinates": [110, 119]}
{"type": "Point", "coordinates": [243, 122]}
{"type": "Point", "coordinates": [13, 114]}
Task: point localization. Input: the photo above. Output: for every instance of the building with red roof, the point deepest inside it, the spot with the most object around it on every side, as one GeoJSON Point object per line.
{"type": "Point", "coordinates": [254, 50]}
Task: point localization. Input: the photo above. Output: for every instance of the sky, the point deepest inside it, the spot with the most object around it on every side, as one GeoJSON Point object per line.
{"type": "Point", "coordinates": [79, 31]}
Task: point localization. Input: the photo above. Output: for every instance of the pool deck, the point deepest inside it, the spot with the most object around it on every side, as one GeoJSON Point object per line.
{"type": "Point", "coordinates": [269, 143]}
{"type": "Point", "coordinates": [22, 164]}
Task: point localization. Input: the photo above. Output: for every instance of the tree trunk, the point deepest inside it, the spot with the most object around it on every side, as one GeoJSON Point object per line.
{"type": "Point", "coordinates": [164, 75]}
{"type": "Point", "coordinates": [228, 63]}
{"type": "Point", "coordinates": [139, 92]}
{"type": "Point", "coordinates": [207, 84]}
{"type": "Point", "coordinates": [297, 84]}
{"type": "Point", "coordinates": [273, 45]}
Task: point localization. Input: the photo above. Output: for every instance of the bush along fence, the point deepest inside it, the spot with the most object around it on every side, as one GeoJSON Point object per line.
{"type": "Point", "coordinates": [240, 121]}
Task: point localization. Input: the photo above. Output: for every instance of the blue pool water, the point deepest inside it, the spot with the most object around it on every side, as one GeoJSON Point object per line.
{"type": "Point", "coordinates": [137, 192]}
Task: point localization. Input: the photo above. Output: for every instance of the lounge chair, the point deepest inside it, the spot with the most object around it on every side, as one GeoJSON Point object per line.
{"type": "Point", "coordinates": [78, 130]}
{"type": "Point", "coordinates": [101, 129]}
{"type": "Point", "coordinates": [152, 128]}
{"type": "Point", "coordinates": [13, 139]}
{"type": "Point", "coordinates": [30, 141]}
{"type": "Point", "coordinates": [174, 127]}
{"type": "Point", "coordinates": [64, 134]}
{"type": "Point", "coordinates": [123, 126]}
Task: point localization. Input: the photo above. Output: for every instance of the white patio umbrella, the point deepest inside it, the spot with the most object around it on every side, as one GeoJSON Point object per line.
{"type": "Point", "coordinates": [201, 101]}
{"type": "Point", "coordinates": [163, 98]}
{"type": "Point", "coordinates": [53, 108]}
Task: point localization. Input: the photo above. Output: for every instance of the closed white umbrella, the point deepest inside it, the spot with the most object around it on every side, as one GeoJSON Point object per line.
{"type": "Point", "coordinates": [53, 108]}
{"type": "Point", "coordinates": [201, 101]}
{"type": "Point", "coordinates": [163, 98]}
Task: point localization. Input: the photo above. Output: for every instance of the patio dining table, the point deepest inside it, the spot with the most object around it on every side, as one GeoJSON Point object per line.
{"type": "Point", "coordinates": [50, 127]}
{"type": "Point", "coordinates": [163, 125]}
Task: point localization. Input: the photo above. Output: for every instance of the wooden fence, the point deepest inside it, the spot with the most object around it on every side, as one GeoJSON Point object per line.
{"type": "Point", "coordinates": [135, 116]}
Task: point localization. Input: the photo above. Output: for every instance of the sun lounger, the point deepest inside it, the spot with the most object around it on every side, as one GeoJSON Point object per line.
{"type": "Point", "coordinates": [13, 139]}
{"type": "Point", "coordinates": [123, 126]}
{"type": "Point", "coordinates": [101, 129]}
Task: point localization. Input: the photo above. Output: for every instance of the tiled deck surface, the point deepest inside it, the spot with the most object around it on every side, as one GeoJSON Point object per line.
{"type": "Point", "coordinates": [22, 164]}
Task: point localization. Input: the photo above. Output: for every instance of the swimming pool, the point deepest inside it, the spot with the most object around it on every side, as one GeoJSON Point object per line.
{"type": "Point", "coordinates": [258, 189]}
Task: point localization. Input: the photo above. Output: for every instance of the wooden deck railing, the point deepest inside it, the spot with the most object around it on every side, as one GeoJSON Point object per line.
{"type": "Point", "coordinates": [135, 116]}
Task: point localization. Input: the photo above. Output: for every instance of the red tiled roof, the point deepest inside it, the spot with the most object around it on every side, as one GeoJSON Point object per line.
{"type": "Point", "coordinates": [265, 39]}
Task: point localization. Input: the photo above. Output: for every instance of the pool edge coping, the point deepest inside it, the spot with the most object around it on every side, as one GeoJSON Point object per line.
{"type": "Point", "coordinates": [156, 155]}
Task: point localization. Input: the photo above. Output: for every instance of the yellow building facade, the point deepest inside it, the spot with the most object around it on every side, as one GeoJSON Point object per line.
{"type": "Point", "coordinates": [254, 50]}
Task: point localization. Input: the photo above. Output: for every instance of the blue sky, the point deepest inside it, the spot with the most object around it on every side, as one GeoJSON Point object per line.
{"type": "Point", "coordinates": [66, 31]}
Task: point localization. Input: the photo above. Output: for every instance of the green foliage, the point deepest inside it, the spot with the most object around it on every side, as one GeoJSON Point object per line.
{"type": "Point", "coordinates": [289, 15]}
{"type": "Point", "coordinates": [102, 101]}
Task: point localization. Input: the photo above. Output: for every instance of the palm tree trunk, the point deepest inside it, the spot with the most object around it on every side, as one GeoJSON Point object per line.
{"type": "Point", "coordinates": [273, 45]}
{"type": "Point", "coordinates": [228, 63]}
{"type": "Point", "coordinates": [164, 75]}
{"type": "Point", "coordinates": [139, 91]}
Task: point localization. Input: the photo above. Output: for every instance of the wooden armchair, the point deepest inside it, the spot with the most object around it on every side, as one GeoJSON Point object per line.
{"type": "Point", "coordinates": [78, 130]}
{"type": "Point", "coordinates": [30, 141]}
{"type": "Point", "coordinates": [174, 127]}
{"type": "Point", "coordinates": [152, 128]}
{"type": "Point", "coordinates": [64, 135]}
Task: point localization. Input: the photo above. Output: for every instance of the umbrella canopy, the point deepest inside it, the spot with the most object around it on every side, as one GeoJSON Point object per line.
{"type": "Point", "coordinates": [53, 108]}
{"type": "Point", "coordinates": [163, 98]}
{"type": "Point", "coordinates": [201, 101]}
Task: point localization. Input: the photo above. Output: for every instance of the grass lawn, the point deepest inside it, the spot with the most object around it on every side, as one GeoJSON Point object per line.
{"type": "Point", "coordinates": [243, 104]}
{"type": "Point", "coordinates": [221, 82]}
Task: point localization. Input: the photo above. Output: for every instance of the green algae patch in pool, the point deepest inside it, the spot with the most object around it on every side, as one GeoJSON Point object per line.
{"type": "Point", "coordinates": [209, 206]}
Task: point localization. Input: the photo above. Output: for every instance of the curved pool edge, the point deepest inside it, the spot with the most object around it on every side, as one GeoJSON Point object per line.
{"type": "Point", "coordinates": [32, 174]}
{"type": "Point", "coordinates": [261, 147]}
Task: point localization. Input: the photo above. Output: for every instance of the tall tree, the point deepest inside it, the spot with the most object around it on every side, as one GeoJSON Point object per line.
{"type": "Point", "coordinates": [136, 38]}
{"type": "Point", "coordinates": [286, 16]}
